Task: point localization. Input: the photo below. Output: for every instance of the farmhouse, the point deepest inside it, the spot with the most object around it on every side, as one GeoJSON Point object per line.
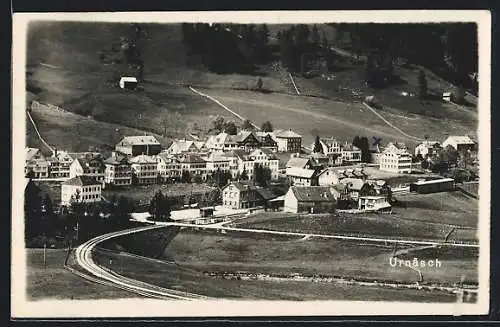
{"type": "Point", "coordinates": [266, 140]}
{"type": "Point", "coordinates": [144, 169]}
{"type": "Point", "coordinates": [82, 189]}
{"type": "Point", "coordinates": [333, 176]}
{"type": "Point", "coordinates": [238, 195]}
{"type": "Point", "coordinates": [298, 162]}
{"type": "Point", "coordinates": [247, 140]}
{"type": "Point", "coordinates": [118, 171]}
{"type": "Point", "coordinates": [39, 168]}
{"type": "Point", "coordinates": [137, 145]}
{"type": "Point", "coordinates": [311, 199]}
{"type": "Point", "coordinates": [459, 143]}
{"type": "Point", "coordinates": [222, 142]}
{"type": "Point", "coordinates": [88, 164]}
{"type": "Point", "coordinates": [128, 82]}
{"type": "Point", "coordinates": [396, 158]}
{"type": "Point", "coordinates": [357, 187]}
{"type": "Point", "coordinates": [241, 160]}
{"type": "Point", "coordinates": [301, 176]}
{"type": "Point", "coordinates": [433, 186]}
{"type": "Point", "coordinates": [427, 148]}
{"type": "Point", "coordinates": [33, 153]}
{"type": "Point", "coordinates": [288, 141]}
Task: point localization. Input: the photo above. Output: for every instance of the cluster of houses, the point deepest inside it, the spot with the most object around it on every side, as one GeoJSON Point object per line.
{"type": "Point", "coordinates": [317, 180]}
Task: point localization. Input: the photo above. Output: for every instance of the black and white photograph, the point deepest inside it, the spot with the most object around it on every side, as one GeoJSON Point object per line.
{"type": "Point", "coordinates": [265, 163]}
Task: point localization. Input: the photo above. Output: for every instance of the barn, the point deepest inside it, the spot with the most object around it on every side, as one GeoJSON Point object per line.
{"type": "Point", "coordinates": [433, 186]}
{"type": "Point", "coordinates": [128, 82]}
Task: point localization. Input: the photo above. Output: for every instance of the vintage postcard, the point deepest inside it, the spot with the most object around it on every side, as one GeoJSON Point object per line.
{"type": "Point", "coordinates": [280, 163]}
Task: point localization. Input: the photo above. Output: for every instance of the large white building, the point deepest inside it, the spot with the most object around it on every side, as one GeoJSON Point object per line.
{"type": "Point", "coordinates": [117, 170]}
{"type": "Point", "coordinates": [144, 169]}
{"type": "Point", "coordinates": [169, 167]}
{"type": "Point", "coordinates": [288, 141]}
{"type": "Point", "coordinates": [341, 153]}
{"type": "Point", "coordinates": [88, 164]}
{"type": "Point", "coordinates": [396, 158]}
{"type": "Point", "coordinates": [82, 189]}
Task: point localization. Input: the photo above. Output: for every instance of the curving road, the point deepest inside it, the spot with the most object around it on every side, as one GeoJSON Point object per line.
{"type": "Point", "coordinates": [83, 255]}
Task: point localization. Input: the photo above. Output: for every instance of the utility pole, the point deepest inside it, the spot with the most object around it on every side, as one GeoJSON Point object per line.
{"type": "Point", "coordinates": [44, 255]}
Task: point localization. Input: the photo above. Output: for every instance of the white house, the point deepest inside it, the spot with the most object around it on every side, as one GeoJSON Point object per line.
{"type": "Point", "coordinates": [222, 142]}
{"type": "Point", "coordinates": [82, 189]}
{"type": "Point", "coordinates": [311, 199]}
{"type": "Point", "coordinates": [88, 164]}
{"type": "Point", "coordinates": [169, 167]}
{"type": "Point", "coordinates": [144, 169]}
{"type": "Point", "coordinates": [287, 141]}
{"type": "Point", "coordinates": [301, 177]}
{"type": "Point", "coordinates": [128, 82]}
{"type": "Point", "coordinates": [459, 143]}
{"type": "Point", "coordinates": [350, 154]}
{"type": "Point", "coordinates": [217, 161]}
{"type": "Point", "coordinates": [117, 170]}
{"type": "Point", "coordinates": [396, 158]}
{"type": "Point", "coordinates": [373, 203]}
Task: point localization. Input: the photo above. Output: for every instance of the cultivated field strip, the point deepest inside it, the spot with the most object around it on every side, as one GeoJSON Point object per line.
{"type": "Point", "coordinates": [329, 236]}
{"type": "Point", "coordinates": [84, 258]}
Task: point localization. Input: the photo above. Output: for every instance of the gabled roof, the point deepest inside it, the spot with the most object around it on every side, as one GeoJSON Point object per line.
{"type": "Point", "coordinates": [116, 159]}
{"type": "Point", "coordinates": [265, 193]}
{"type": "Point", "coordinates": [298, 162]}
{"type": "Point", "coordinates": [81, 181]}
{"type": "Point", "coordinates": [397, 148]}
{"type": "Point", "coordinates": [179, 146]}
{"type": "Point", "coordinates": [285, 134]}
{"type": "Point", "coordinates": [216, 157]}
{"type": "Point", "coordinates": [192, 158]}
{"type": "Point", "coordinates": [463, 139]}
{"type": "Point", "coordinates": [143, 159]}
{"type": "Point", "coordinates": [349, 147]}
{"type": "Point", "coordinates": [329, 141]}
{"type": "Point", "coordinates": [242, 136]}
{"type": "Point", "coordinates": [167, 157]}
{"type": "Point", "coordinates": [355, 184]}
{"type": "Point", "coordinates": [31, 152]}
{"type": "Point", "coordinates": [140, 140]}
{"type": "Point", "coordinates": [241, 186]}
{"type": "Point", "coordinates": [90, 160]}
{"type": "Point", "coordinates": [313, 193]}
{"type": "Point", "coordinates": [300, 172]}
{"type": "Point", "coordinates": [128, 79]}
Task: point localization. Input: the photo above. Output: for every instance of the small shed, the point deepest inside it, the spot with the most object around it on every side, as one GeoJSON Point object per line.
{"type": "Point", "coordinates": [433, 186]}
{"type": "Point", "coordinates": [447, 96]}
{"type": "Point", "coordinates": [128, 82]}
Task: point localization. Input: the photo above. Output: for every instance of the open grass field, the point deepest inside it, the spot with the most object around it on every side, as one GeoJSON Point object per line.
{"type": "Point", "coordinates": [231, 252]}
{"type": "Point", "coordinates": [410, 223]}
{"type": "Point", "coordinates": [191, 278]}
{"type": "Point", "coordinates": [72, 132]}
{"type": "Point", "coordinates": [56, 282]}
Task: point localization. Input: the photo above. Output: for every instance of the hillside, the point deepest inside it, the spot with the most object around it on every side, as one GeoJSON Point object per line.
{"type": "Point", "coordinates": [64, 67]}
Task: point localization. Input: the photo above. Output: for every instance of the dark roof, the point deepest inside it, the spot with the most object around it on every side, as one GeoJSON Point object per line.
{"type": "Point", "coordinates": [116, 159]}
{"type": "Point", "coordinates": [81, 181]}
{"type": "Point", "coordinates": [313, 193]}
{"type": "Point", "coordinates": [192, 158]}
{"type": "Point", "coordinates": [266, 193]}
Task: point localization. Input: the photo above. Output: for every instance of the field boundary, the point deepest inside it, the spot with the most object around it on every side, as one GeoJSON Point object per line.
{"type": "Point", "coordinates": [294, 85]}
{"type": "Point", "coordinates": [222, 105]}
{"type": "Point", "coordinates": [467, 193]}
{"type": "Point", "coordinates": [38, 133]}
{"type": "Point", "coordinates": [390, 124]}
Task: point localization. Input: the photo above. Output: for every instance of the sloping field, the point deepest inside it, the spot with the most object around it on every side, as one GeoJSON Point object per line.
{"type": "Point", "coordinates": [310, 116]}
{"type": "Point", "coordinates": [73, 132]}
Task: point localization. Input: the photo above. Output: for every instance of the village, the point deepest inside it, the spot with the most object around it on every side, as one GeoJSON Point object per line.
{"type": "Point", "coordinates": [261, 170]}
